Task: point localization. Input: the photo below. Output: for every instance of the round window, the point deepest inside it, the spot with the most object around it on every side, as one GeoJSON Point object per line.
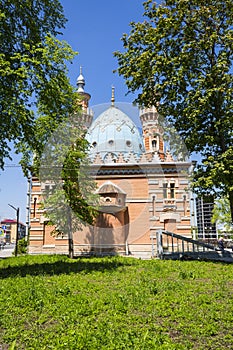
{"type": "Point", "coordinates": [128, 143]}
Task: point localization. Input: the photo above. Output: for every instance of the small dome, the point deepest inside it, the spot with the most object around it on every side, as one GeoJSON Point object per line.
{"type": "Point", "coordinates": [109, 187]}
{"type": "Point", "coordinates": [114, 132]}
{"type": "Point", "coordinates": [80, 81]}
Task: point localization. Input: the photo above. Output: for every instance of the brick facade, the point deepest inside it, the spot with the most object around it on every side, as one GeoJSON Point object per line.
{"type": "Point", "coordinates": [140, 194]}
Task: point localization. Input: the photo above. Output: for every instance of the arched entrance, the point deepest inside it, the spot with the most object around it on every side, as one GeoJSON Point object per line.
{"type": "Point", "coordinates": [112, 224]}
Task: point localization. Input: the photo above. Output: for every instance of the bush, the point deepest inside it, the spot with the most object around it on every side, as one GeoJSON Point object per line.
{"type": "Point", "coordinates": [22, 246]}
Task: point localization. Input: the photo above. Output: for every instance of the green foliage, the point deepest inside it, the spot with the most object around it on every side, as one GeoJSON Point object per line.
{"type": "Point", "coordinates": [67, 187]}
{"type": "Point", "coordinates": [78, 185]}
{"type": "Point", "coordinates": [53, 302]}
{"type": "Point", "coordinates": [180, 59]}
{"type": "Point", "coordinates": [33, 75]}
{"type": "Point", "coordinates": [36, 95]}
{"type": "Point", "coordinates": [22, 246]}
{"type": "Point", "coordinates": [222, 215]}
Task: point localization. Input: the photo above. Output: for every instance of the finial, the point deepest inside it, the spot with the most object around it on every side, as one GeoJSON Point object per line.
{"type": "Point", "coordinates": [113, 96]}
{"type": "Point", "coordinates": [80, 81]}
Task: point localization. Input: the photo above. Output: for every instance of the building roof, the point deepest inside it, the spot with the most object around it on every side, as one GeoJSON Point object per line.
{"type": "Point", "coordinates": [8, 221]}
{"type": "Point", "coordinates": [113, 132]}
{"type": "Point", "coordinates": [11, 221]}
{"type": "Point", "coordinates": [109, 187]}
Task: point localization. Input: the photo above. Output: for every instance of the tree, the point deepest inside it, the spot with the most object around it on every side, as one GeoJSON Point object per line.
{"type": "Point", "coordinates": [180, 59]}
{"type": "Point", "coordinates": [68, 190]}
{"type": "Point", "coordinates": [35, 91]}
{"type": "Point", "coordinates": [36, 100]}
{"type": "Point", "coordinates": [222, 214]}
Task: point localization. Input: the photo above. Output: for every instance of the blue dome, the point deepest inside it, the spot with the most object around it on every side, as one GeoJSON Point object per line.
{"type": "Point", "coordinates": [114, 132]}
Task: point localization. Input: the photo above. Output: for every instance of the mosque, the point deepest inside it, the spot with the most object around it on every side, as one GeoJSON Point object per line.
{"type": "Point", "coordinates": [142, 188]}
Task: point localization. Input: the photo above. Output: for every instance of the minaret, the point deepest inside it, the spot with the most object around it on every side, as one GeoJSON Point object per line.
{"type": "Point", "coordinates": [113, 97]}
{"type": "Point", "coordinates": [87, 114]}
{"type": "Point", "coordinates": [152, 131]}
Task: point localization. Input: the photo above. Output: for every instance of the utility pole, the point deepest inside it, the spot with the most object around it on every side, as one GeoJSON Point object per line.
{"type": "Point", "coordinates": [17, 228]}
{"type": "Point", "coordinates": [28, 207]}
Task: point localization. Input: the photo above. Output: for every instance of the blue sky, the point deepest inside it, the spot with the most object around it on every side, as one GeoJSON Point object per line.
{"type": "Point", "coordinates": [94, 29]}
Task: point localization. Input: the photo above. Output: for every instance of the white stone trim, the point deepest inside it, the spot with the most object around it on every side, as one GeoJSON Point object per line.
{"type": "Point", "coordinates": [36, 228]}
{"type": "Point", "coordinates": [185, 227]}
{"type": "Point", "coordinates": [36, 238]}
{"type": "Point", "coordinates": [169, 215]}
{"type": "Point", "coordinates": [129, 200]}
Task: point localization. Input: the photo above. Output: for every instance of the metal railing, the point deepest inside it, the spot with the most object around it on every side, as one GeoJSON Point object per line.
{"type": "Point", "coordinates": [169, 243]}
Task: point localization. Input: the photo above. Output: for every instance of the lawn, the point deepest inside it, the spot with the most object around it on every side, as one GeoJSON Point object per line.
{"type": "Point", "coordinates": [53, 302]}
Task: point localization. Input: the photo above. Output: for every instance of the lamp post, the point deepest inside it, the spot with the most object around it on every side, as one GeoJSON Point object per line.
{"type": "Point", "coordinates": [17, 228]}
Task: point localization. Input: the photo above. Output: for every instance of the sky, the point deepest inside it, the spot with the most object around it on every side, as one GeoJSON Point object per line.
{"type": "Point", "coordinates": [94, 29]}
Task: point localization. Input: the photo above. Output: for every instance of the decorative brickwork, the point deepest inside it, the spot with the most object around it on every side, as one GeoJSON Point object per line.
{"type": "Point", "coordinates": [142, 189]}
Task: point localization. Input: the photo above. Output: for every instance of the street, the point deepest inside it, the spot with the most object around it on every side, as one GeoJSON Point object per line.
{"type": "Point", "coordinates": [7, 250]}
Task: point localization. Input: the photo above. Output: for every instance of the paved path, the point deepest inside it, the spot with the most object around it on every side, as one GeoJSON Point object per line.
{"type": "Point", "coordinates": [7, 251]}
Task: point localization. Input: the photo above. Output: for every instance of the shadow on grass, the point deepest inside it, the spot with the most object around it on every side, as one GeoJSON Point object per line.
{"type": "Point", "coordinates": [56, 266]}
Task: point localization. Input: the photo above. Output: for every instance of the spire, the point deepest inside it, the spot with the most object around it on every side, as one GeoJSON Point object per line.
{"type": "Point", "coordinates": [113, 96]}
{"type": "Point", "coordinates": [80, 81]}
{"type": "Point", "coordinates": [83, 100]}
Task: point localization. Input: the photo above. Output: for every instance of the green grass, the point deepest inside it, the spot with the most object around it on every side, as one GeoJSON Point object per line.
{"type": "Point", "coordinates": [52, 302]}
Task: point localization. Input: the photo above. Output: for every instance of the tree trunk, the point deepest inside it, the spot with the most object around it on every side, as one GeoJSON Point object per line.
{"type": "Point", "coordinates": [70, 236]}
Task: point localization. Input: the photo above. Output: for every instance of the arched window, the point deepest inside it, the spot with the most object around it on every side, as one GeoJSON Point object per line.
{"type": "Point", "coordinates": [165, 190]}
{"type": "Point", "coordinates": [172, 190]}
{"type": "Point", "coordinates": [154, 145]}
